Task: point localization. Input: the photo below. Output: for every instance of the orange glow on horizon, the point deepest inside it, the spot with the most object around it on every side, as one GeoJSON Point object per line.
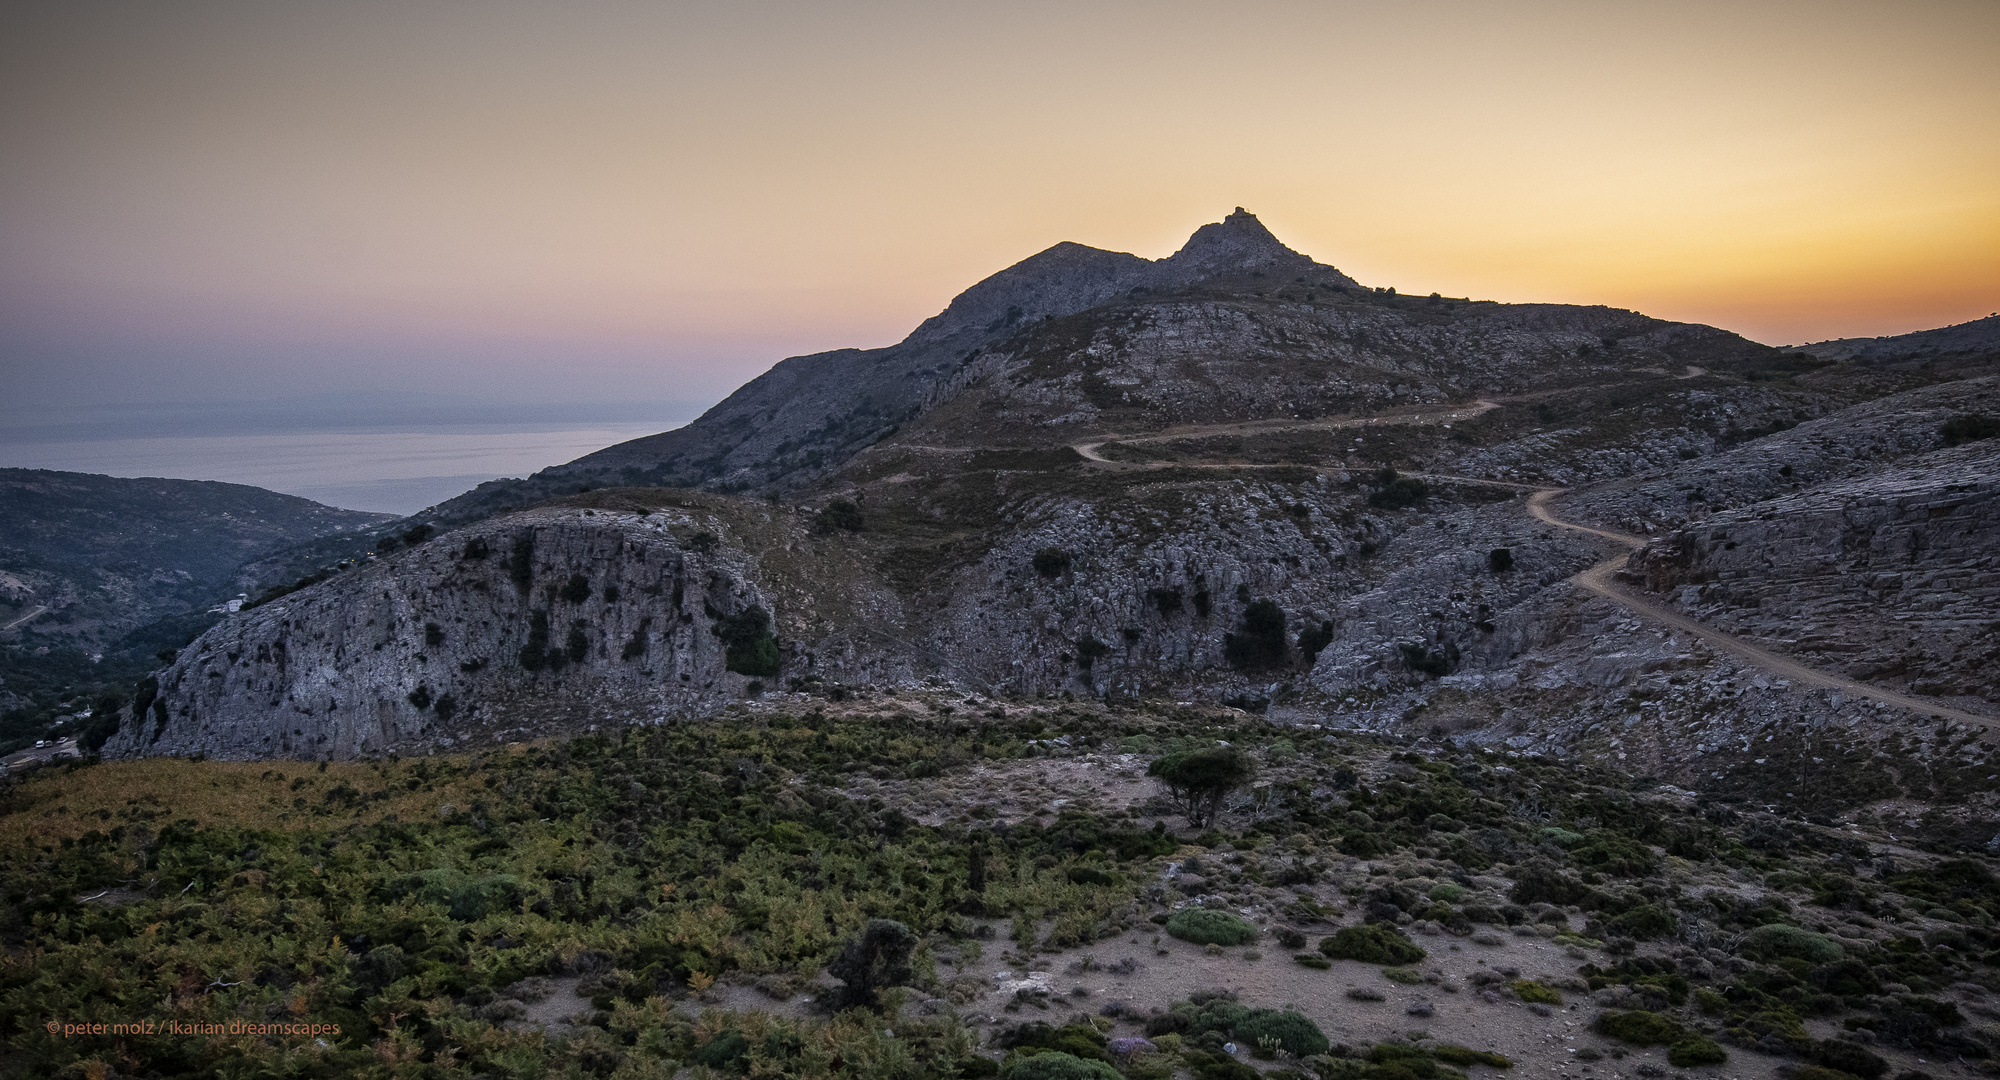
{"type": "Point", "coordinates": [705, 180]}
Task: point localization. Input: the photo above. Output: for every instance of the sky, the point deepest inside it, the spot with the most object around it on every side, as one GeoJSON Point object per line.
{"type": "Point", "coordinates": [609, 213]}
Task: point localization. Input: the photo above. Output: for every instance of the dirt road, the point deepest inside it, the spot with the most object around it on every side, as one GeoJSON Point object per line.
{"type": "Point", "coordinates": [24, 618]}
{"type": "Point", "coordinates": [1089, 447]}
{"type": "Point", "coordinates": [1600, 579]}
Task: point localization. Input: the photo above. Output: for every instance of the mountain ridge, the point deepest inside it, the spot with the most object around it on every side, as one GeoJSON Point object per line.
{"type": "Point", "coordinates": [1300, 497]}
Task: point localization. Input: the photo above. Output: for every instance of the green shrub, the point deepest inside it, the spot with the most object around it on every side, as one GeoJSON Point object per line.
{"type": "Point", "coordinates": [1641, 1028]}
{"type": "Point", "coordinates": [1448, 892]}
{"type": "Point", "coordinates": [1282, 1029]}
{"type": "Point", "coordinates": [749, 647]}
{"type": "Point", "coordinates": [1539, 883]}
{"type": "Point", "coordinates": [1821, 1072]}
{"type": "Point", "coordinates": [521, 560]}
{"type": "Point", "coordinates": [1535, 993]}
{"type": "Point", "coordinates": [577, 589]}
{"type": "Point", "coordinates": [1778, 940]}
{"type": "Point", "coordinates": [873, 961]}
{"type": "Point", "coordinates": [1695, 1050]}
{"type": "Point", "coordinates": [728, 1050]}
{"type": "Point", "coordinates": [1849, 1058]}
{"type": "Point", "coordinates": [1259, 643]}
{"type": "Point", "coordinates": [1204, 927]}
{"type": "Point", "coordinates": [840, 514]}
{"type": "Point", "coordinates": [1643, 923]}
{"type": "Point", "coordinates": [1463, 1056]}
{"type": "Point", "coordinates": [1056, 1065]}
{"type": "Point", "coordinates": [1404, 976]}
{"type": "Point", "coordinates": [1965, 429]}
{"type": "Point", "coordinates": [1372, 943]}
{"type": "Point", "coordinates": [1089, 650]}
{"type": "Point", "coordinates": [1317, 963]}
{"type": "Point", "coordinates": [1616, 855]}
{"type": "Point", "coordinates": [1428, 661]}
{"type": "Point", "coordinates": [1396, 491]}
{"type": "Point", "coordinates": [1314, 639]}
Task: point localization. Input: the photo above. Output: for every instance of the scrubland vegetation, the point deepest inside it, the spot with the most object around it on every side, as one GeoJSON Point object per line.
{"type": "Point", "coordinates": [429, 907]}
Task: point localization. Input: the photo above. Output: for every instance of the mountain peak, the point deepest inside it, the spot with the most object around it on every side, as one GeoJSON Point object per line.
{"type": "Point", "coordinates": [1239, 244]}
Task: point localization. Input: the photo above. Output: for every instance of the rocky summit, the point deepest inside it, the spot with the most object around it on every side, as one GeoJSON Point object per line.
{"type": "Point", "coordinates": [1233, 475]}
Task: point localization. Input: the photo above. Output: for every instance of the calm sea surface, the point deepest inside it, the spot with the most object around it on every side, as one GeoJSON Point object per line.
{"type": "Point", "coordinates": [396, 472]}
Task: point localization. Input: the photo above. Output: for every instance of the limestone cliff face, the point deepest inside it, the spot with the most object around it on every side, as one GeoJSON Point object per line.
{"type": "Point", "coordinates": [513, 627]}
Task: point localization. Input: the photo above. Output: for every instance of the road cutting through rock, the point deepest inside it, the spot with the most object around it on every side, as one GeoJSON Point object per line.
{"type": "Point", "coordinates": [1600, 579]}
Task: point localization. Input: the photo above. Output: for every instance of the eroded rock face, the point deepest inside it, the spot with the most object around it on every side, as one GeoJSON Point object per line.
{"type": "Point", "coordinates": [523, 624]}
{"type": "Point", "coordinates": [1892, 576]}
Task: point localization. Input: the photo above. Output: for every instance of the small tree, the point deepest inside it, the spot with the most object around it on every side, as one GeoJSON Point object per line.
{"type": "Point", "coordinates": [1259, 644]}
{"type": "Point", "coordinates": [749, 647]}
{"type": "Point", "coordinates": [871, 963]}
{"type": "Point", "coordinates": [1395, 491]}
{"type": "Point", "coordinates": [1199, 780]}
{"type": "Point", "coordinates": [1314, 639]}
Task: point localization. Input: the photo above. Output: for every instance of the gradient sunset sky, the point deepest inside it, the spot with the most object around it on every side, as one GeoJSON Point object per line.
{"type": "Point", "coordinates": [597, 202]}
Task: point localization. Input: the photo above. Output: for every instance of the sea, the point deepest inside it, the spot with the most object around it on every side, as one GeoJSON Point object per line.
{"type": "Point", "coordinates": [391, 472]}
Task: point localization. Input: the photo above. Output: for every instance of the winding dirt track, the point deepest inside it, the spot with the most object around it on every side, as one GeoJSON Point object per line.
{"type": "Point", "coordinates": [1600, 579]}
{"type": "Point", "coordinates": [1089, 447]}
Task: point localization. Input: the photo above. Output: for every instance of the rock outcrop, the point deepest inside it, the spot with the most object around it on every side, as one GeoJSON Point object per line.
{"type": "Point", "coordinates": [528, 623]}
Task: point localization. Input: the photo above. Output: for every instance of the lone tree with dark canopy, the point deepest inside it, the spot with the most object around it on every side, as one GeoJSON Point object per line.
{"type": "Point", "coordinates": [1259, 644]}
{"type": "Point", "coordinates": [871, 963]}
{"type": "Point", "coordinates": [1199, 780]}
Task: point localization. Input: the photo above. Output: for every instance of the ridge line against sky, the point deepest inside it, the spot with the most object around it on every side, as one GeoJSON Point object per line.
{"type": "Point", "coordinates": [524, 203]}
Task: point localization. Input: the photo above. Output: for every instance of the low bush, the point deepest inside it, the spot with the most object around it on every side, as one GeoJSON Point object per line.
{"type": "Point", "coordinates": [1821, 1072]}
{"type": "Point", "coordinates": [1778, 940]}
{"type": "Point", "coordinates": [1849, 1058]}
{"type": "Point", "coordinates": [1965, 429]}
{"type": "Point", "coordinates": [1463, 1056]}
{"type": "Point", "coordinates": [1643, 923]}
{"type": "Point", "coordinates": [1696, 1050]}
{"type": "Point", "coordinates": [1641, 1028]}
{"type": "Point", "coordinates": [1282, 1029]}
{"type": "Point", "coordinates": [1372, 943]}
{"type": "Point", "coordinates": [1535, 993]}
{"type": "Point", "coordinates": [1056, 1065]}
{"type": "Point", "coordinates": [1204, 927]}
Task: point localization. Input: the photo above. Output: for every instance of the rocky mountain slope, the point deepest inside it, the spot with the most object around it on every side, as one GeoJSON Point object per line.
{"type": "Point", "coordinates": [84, 559]}
{"type": "Point", "coordinates": [1978, 337]}
{"type": "Point", "coordinates": [1235, 475]}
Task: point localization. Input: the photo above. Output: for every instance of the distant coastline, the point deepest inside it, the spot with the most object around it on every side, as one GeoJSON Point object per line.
{"type": "Point", "coordinates": [390, 471]}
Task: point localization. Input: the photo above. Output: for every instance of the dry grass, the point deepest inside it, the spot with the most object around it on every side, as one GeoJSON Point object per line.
{"type": "Point", "coordinates": [66, 803]}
